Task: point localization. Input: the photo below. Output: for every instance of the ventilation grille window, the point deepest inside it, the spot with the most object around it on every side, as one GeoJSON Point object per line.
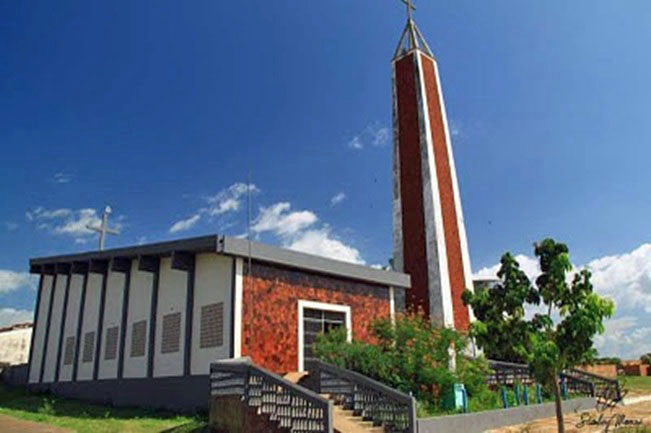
{"type": "Point", "coordinates": [171, 333]}
{"type": "Point", "coordinates": [89, 347]}
{"type": "Point", "coordinates": [212, 326]}
{"type": "Point", "coordinates": [111, 349]}
{"type": "Point", "coordinates": [138, 338]}
{"type": "Point", "coordinates": [69, 351]}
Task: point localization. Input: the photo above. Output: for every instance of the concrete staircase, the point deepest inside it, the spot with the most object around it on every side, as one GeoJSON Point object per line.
{"type": "Point", "coordinates": [345, 421]}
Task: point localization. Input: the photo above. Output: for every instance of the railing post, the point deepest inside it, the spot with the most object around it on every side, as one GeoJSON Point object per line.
{"type": "Point", "coordinates": [413, 419]}
{"type": "Point", "coordinates": [328, 418]}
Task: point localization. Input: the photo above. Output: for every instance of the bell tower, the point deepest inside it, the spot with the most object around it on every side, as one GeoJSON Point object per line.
{"type": "Point", "coordinates": [429, 234]}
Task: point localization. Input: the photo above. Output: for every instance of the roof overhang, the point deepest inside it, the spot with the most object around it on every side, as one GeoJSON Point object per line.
{"type": "Point", "coordinates": [181, 250]}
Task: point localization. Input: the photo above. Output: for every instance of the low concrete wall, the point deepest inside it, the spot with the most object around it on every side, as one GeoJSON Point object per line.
{"type": "Point", "coordinates": [14, 345]}
{"type": "Point", "coordinates": [186, 394]}
{"type": "Point", "coordinates": [482, 421]}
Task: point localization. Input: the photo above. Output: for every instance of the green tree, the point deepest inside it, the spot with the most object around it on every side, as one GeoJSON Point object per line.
{"type": "Point", "coordinates": [646, 358]}
{"type": "Point", "coordinates": [558, 337]}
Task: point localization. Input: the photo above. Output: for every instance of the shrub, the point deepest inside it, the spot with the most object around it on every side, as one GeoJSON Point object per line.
{"type": "Point", "coordinates": [411, 355]}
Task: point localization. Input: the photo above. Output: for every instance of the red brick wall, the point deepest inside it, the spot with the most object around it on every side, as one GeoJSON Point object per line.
{"type": "Point", "coordinates": [608, 370]}
{"type": "Point", "coordinates": [411, 186]}
{"type": "Point", "coordinates": [635, 368]}
{"type": "Point", "coordinates": [446, 193]}
{"type": "Point", "coordinates": [270, 310]}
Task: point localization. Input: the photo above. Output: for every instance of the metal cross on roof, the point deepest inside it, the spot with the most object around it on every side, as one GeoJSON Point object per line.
{"type": "Point", "coordinates": [410, 8]}
{"type": "Point", "coordinates": [104, 228]}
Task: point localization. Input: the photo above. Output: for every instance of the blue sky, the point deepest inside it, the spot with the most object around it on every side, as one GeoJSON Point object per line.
{"type": "Point", "coordinates": [161, 110]}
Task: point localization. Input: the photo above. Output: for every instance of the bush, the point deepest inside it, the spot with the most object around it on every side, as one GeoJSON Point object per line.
{"type": "Point", "coordinates": [411, 355]}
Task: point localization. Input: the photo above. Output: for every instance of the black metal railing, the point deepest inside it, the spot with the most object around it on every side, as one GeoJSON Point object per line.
{"type": "Point", "coordinates": [577, 381]}
{"type": "Point", "coordinates": [373, 401]}
{"type": "Point", "coordinates": [293, 407]}
{"type": "Point", "coordinates": [604, 387]}
{"type": "Point", "coordinates": [509, 373]}
{"type": "Point", "coordinates": [577, 385]}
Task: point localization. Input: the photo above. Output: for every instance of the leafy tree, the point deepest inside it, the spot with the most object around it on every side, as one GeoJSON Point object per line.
{"type": "Point", "coordinates": [558, 337]}
{"type": "Point", "coordinates": [646, 359]}
{"type": "Point", "coordinates": [410, 355]}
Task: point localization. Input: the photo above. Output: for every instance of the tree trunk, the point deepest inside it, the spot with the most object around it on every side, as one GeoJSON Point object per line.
{"type": "Point", "coordinates": [559, 405]}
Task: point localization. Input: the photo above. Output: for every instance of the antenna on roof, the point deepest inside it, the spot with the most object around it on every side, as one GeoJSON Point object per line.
{"type": "Point", "coordinates": [248, 218]}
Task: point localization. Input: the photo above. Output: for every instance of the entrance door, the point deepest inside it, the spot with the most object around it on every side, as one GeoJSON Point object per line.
{"type": "Point", "coordinates": [316, 319]}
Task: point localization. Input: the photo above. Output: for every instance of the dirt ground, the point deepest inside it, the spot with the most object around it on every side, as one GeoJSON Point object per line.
{"type": "Point", "coordinates": [14, 425]}
{"type": "Point", "coordinates": [589, 422]}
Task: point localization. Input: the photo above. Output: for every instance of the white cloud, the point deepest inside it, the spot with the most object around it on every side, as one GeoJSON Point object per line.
{"type": "Point", "coordinates": [10, 316]}
{"type": "Point", "coordinates": [373, 134]}
{"type": "Point", "coordinates": [11, 226]}
{"type": "Point", "coordinates": [230, 199]}
{"type": "Point", "coordinates": [338, 198]}
{"type": "Point", "coordinates": [69, 222]}
{"type": "Point", "coordinates": [78, 224]}
{"type": "Point", "coordinates": [40, 213]}
{"type": "Point", "coordinates": [322, 243]}
{"type": "Point", "coordinates": [62, 177]}
{"type": "Point", "coordinates": [226, 201]}
{"type": "Point", "coordinates": [356, 143]}
{"type": "Point", "coordinates": [527, 264]}
{"type": "Point", "coordinates": [185, 224]}
{"type": "Point", "coordinates": [299, 230]}
{"type": "Point", "coordinates": [626, 279]}
{"type": "Point", "coordinates": [11, 280]}
{"type": "Point", "coordinates": [279, 220]}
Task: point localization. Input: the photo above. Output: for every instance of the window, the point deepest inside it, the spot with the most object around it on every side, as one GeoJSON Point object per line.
{"type": "Point", "coordinates": [138, 338]}
{"type": "Point", "coordinates": [89, 347]}
{"type": "Point", "coordinates": [314, 319]}
{"type": "Point", "coordinates": [111, 348]}
{"type": "Point", "coordinates": [171, 333]}
{"type": "Point", "coordinates": [212, 326]}
{"type": "Point", "coordinates": [69, 351]}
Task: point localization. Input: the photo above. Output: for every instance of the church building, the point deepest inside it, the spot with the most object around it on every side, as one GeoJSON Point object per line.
{"type": "Point", "coordinates": [141, 325]}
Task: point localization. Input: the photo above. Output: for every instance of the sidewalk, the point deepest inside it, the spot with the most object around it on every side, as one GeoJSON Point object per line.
{"type": "Point", "coordinates": [640, 411]}
{"type": "Point", "coordinates": [14, 425]}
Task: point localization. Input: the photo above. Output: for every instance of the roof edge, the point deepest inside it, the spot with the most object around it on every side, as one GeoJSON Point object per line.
{"type": "Point", "coordinates": [295, 259]}
{"type": "Point", "coordinates": [234, 247]}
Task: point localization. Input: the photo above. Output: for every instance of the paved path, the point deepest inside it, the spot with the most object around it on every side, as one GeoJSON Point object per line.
{"type": "Point", "coordinates": [639, 411]}
{"type": "Point", "coordinates": [635, 400]}
{"type": "Point", "coordinates": [10, 424]}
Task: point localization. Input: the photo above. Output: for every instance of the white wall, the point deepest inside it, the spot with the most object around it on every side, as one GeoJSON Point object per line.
{"type": "Point", "coordinates": [41, 324]}
{"type": "Point", "coordinates": [212, 284]}
{"type": "Point", "coordinates": [70, 330]}
{"type": "Point", "coordinates": [108, 369]}
{"type": "Point", "coordinates": [52, 354]}
{"type": "Point", "coordinates": [14, 346]}
{"type": "Point", "coordinates": [89, 324]}
{"type": "Point", "coordinates": [139, 309]}
{"type": "Point", "coordinates": [172, 293]}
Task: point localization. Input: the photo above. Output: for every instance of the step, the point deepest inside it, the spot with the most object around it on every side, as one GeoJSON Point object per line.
{"type": "Point", "coordinates": [345, 422]}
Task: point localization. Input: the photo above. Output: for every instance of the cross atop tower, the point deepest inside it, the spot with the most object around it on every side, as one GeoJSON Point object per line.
{"type": "Point", "coordinates": [410, 9]}
{"type": "Point", "coordinates": [411, 39]}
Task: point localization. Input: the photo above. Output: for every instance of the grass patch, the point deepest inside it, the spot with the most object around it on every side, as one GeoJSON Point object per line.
{"type": "Point", "coordinates": [82, 417]}
{"type": "Point", "coordinates": [636, 384]}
